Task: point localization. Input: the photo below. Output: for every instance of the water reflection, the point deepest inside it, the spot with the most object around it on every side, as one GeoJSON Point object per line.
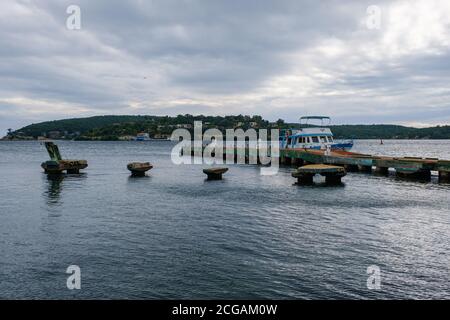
{"type": "Point", "coordinates": [54, 187]}
{"type": "Point", "coordinates": [320, 184]}
{"type": "Point", "coordinates": [132, 178]}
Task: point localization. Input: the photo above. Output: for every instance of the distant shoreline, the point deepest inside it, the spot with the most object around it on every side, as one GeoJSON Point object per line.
{"type": "Point", "coordinates": [127, 127]}
{"type": "Point", "coordinates": [166, 140]}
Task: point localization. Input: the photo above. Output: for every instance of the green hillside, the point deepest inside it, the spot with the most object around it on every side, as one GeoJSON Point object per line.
{"type": "Point", "coordinates": [80, 125]}
{"type": "Point", "coordinates": [119, 127]}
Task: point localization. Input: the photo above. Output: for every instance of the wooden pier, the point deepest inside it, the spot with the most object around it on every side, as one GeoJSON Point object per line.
{"type": "Point", "coordinates": [405, 167]}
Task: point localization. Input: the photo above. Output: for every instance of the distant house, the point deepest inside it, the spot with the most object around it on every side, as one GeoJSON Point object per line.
{"type": "Point", "coordinates": [161, 136]}
{"type": "Point", "coordinates": [142, 136]}
{"type": "Point", "coordinates": [185, 126]}
{"type": "Point", "coordinates": [126, 138]}
{"type": "Point", "coordinates": [53, 134]}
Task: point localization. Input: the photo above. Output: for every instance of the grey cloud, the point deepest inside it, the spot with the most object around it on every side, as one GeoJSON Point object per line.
{"type": "Point", "coordinates": [156, 52]}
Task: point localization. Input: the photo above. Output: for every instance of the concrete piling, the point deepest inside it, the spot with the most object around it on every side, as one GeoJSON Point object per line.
{"type": "Point", "coordinates": [56, 165]}
{"type": "Point", "coordinates": [138, 169]}
{"type": "Point", "coordinates": [215, 173]}
{"type": "Point", "coordinates": [332, 174]}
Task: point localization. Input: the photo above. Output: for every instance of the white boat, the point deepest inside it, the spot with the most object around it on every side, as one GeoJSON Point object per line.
{"type": "Point", "coordinates": [142, 137]}
{"type": "Point", "coordinates": [310, 137]}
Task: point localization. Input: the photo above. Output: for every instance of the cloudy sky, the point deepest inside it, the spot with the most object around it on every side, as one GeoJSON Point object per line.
{"type": "Point", "coordinates": [278, 59]}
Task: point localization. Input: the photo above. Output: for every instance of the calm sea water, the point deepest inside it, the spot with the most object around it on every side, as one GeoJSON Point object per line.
{"type": "Point", "coordinates": [175, 235]}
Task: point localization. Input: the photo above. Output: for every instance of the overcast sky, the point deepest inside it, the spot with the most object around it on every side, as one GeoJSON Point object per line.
{"type": "Point", "coordinates": [278, 59]}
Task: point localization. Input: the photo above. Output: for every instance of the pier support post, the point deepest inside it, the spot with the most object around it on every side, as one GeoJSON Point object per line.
{"type": "Point", "coordinates": [215, 173]}
{"type": "Point", "coordinates": [138, 169]}
{"type": "Point", "coordinates": [333, 179]}
{"type": "Point", "coordinates": [137, 174]}
{"type": "Point", "coordinates": [351, 168]}
{"type": "Point", "coordinates": [365, 168]}
{"type": "Point", "coordinates": [305, 179]}
{"type": "Point", "coordinates": [421, 174]}
{"type": "Point", "coordinates": [53, 172]}
{"type": "Point", "coordinates": [213, 176]}
{"type": "Point", "coordinates": [444, 176]}
{"type": "Point", "coordinates": [296, 162]}
{"type": "Point", "coordinates": [332, 174]}
{"type": "Point", "coordinates": [382, 170]}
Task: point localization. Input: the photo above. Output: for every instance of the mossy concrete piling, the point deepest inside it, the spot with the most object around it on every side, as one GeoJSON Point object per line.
{"type": "Point", "coordinates": [215, 173]}
{"type": "Point", "coordinates": [332, 174]}
{"type": "Point", "coordinates": [139, 169]}
{"type": "Point", "coordinates": [56, 165]}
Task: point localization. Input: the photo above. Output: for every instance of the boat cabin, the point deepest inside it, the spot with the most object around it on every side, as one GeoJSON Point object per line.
{"type": "Point", "coordinates": [312, 137]}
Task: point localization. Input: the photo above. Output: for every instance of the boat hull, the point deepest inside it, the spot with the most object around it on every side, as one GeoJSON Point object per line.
{"type": "Point", "coordinates": [346, 146]}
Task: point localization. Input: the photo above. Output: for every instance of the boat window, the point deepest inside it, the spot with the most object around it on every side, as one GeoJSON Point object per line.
{"type": "Point", "coordinates": [315, 139]}
{"type": "Point", "coordinates": [330, 139]}
{"type": "Point", "coordinates": [323, 139]}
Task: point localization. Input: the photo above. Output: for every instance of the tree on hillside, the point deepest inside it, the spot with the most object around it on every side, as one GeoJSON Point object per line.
{"type": "Point", "coordinates": [280, 122]}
